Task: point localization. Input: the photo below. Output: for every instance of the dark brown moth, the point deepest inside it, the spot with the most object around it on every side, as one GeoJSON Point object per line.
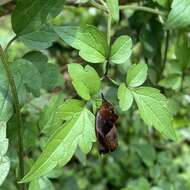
{"type": "Point", "coordinates": [106, 130]}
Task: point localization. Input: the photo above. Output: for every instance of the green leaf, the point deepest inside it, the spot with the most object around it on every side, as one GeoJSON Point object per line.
{"type": "Point", "coordinates": [40, 39]}
{"type": "Point", "coordinates": [125, 97]}
{"type": "Point", "coordinates": [153, 109]}
{"type": "Point", "coordinates": [139, 184]}
{"type": "Point", "coordinates": [29, 74]}
{"type": "Point", "coordinates": [137, 74]}
{"type": "Point", "coordinates": [67, 109]}
{"type": "Point", "coordinates": [147, 152]}
{"type": "Point", "coordinates": [86, 81]}
{"type": "Point", "coordinates": [113, 7]}
{"type": "Point", "coordinates": [41, 184]}
{"type": "Point", "coordinates": [4, 160]}
{"type": "Point", "coordinates": [4, 168]}
{"type": "Point", "coordinates": [48, 121]}
{"type": "Point", "coordinates": [30, 15]}
{"type": "Point", "coordinates": [163, 3]}
{"type": "Point", "coordinates": [121, 50]}
{"type": "Point", "coordinates": [79, 131]}
{"type": "Point", "coordinates": [3, 140]}
{"type": "Point", "coordinates": [183, 51]}
{"type": "Point", "coordinates": [90, 42]}
{"type": "Point", "coordinates": [6, 108]}
{"type": "Point", "coordinates": [172, 81]}
{"type": "Point", "coordinates": [50, 75]}
{"type": "Point", "coordinates": [179, 15]}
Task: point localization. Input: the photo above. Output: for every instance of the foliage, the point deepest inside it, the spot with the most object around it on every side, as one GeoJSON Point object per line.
{"type": "Point", "coordinates": [134, 55]}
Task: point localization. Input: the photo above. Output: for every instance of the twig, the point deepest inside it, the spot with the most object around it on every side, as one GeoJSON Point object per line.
{"type": "Point", "coordinates": [142, 8]}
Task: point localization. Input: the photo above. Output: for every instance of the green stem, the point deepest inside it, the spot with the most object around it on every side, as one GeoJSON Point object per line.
{"type": "Point", "coordinates": [98, 6]}
{"type": "Point", "coordinates": [10, 42]}
{"type": "Point", "coordinates": [109, 41]}
{"type": "Point", "coordinates": [142, 8]}
{"type": "Point", "coordinates": [110, 80]}
{"type": "Point", "coordinates": [10, 77]}
{"type": "Point", "coordinates": [109, 29]}
{"type": "Point", "coordinates": [103, 3]}
{"type": "Point", "coordinates": [165, 50]}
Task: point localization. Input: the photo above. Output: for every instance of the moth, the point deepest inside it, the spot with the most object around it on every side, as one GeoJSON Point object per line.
{"type": "Point", "coordinates": [106, 131]}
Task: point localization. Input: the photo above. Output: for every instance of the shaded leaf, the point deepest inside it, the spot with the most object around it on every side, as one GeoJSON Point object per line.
{"type": "Point", "coordinates": [50, 74]}
{"type": "Point", "coordinates": [172, 81]}
{"type": "Point", "coordinates": [30, 15]}
{"type": "Point", "coordinates": [29, 74]}
{"type": "Point", "coordinates": [40, 39]}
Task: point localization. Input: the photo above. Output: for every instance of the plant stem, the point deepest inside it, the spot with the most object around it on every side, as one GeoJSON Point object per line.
{"type": "Point", "coordinates": [109, 29]}
{"type": "Point", "coordinates": [166, 49]}
{"type": "Point", "coordinates": [103, 3]}
{"type": "Point", "coordinates": [108, 40]}
{"type": "Point", "coordinates": [10, 77]}
{"type": "Point", "coordinates": [110, 80]}
{"type": "Point", "coordinates": [142, 8]}
{"type": "Point", "coordinates": [10, 42]}
{"type": "Point", "coordinates": [98, 6]}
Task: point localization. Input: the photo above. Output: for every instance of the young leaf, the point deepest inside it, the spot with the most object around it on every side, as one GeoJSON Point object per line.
{"type": "Point", "coordinates": [137, 74]}
{"type": "Point", "coordinates": [153, 109]}
{"type": "Point", "coordinates": [30, 15]}
{"type": "Point", "coordinates": [85, 80]}
{"type": "Point", "coordinates": [79, 131]}
{"type": "Point", "coordinates": [121, 50]}
{"type": "Point", "coordinates": [179, 15]}
{"type": "Point", "coordinates": [113, 7]}
{"type": "Point", "coordinates": [125, 97]}
{"type": "Point", "coordinates": [90, 42]}
{"type": "Point", "coordinates": [40, 39]}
